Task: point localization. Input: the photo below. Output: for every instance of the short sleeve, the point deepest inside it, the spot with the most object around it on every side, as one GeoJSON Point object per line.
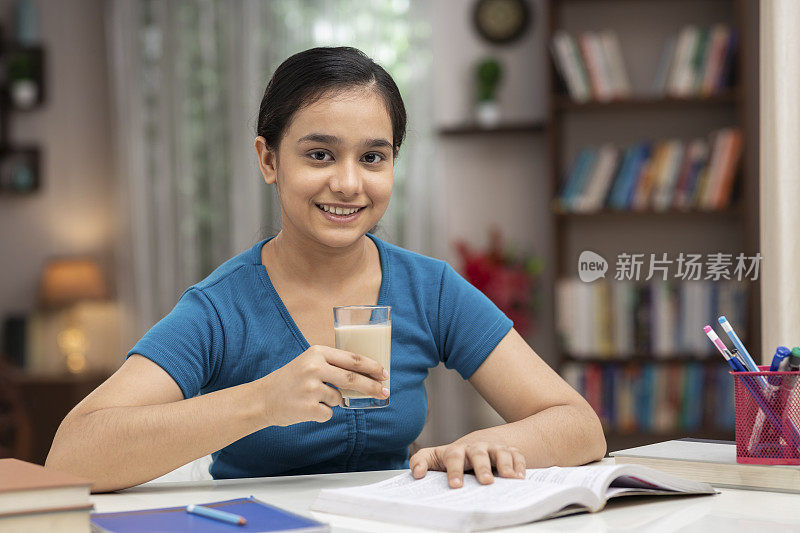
{"type": "Point", "coordinates": [470, 324]}
{"type": "Point", "coordinates": [187, 343]}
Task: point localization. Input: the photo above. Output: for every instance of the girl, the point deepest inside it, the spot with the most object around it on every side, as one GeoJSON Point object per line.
{"type": "Point", "coordinates": [242, 367]}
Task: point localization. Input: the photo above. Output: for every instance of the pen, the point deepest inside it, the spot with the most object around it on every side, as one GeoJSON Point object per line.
{"type": "Point", "coordinates": [752, 388]}
{"type": "Point", "coordinates": [729, 357]}
{"type": "Point", "coordinates": [748, 361]}
{"type": "Point", "coordinates": [216, 514]}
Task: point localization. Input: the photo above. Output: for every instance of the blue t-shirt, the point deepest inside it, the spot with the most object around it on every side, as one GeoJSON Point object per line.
{"type": "Point", "coordinates": [233, 328]}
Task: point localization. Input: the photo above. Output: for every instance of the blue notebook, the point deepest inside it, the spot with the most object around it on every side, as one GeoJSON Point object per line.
{"type": "Point", "coordinates": [260, 517]}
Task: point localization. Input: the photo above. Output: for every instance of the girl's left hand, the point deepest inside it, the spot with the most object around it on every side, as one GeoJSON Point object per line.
{"type": "Point", "coordinates": [478, 456]}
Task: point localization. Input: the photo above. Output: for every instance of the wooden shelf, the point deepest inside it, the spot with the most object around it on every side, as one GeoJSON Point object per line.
{"type": "Point", "coordinates": [638, 103]}
{"type": "Point", "coordinates": [474, 129]}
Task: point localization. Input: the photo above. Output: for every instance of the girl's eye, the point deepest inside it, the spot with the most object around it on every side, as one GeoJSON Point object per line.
{"type": "Point", "coordinates": [319, 155]}
{"type": "Point", "coordinates": [373, 157]}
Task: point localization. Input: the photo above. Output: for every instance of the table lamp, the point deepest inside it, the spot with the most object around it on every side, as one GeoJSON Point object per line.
{"type": "Point", "coordinates": [66, 282]}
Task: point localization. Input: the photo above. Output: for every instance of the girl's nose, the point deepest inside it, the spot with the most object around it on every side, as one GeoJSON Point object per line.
{"type": "Point", "coordinates": [346, 180]}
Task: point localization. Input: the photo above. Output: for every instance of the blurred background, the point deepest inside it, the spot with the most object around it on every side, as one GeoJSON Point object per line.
{"type": "Point", "coordinates": [538, 129]}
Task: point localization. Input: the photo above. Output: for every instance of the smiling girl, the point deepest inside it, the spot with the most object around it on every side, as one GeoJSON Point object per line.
{"type": "Point", "coordinates": [242, 367]}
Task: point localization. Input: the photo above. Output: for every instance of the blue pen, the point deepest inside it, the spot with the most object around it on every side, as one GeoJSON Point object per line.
{"type": "Point", "coordinates": [748, 361]}
{"type": "Point", "coordinates": [215, 514]}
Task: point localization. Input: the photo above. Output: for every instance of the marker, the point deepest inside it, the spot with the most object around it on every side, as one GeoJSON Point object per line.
{"type": "Point", "coordinates": [726, 326]}
{"type": "Point", "coordinates": [216, 514]}
{"type": "Point", "coordinates": [779, 362]}
{"type": "Point", "coordinates": [788, 383]}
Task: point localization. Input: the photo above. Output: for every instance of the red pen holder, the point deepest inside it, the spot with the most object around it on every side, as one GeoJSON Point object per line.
{"type": "Point", "coordinates": [767, 406]}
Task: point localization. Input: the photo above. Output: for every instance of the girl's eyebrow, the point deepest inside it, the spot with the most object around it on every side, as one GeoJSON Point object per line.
{"type": "Point", "coordinates": [378, 143]}
{"type": "Point", "coordinates": [332, 139]}
{"type": "Point", "coordinates": [320, 138]}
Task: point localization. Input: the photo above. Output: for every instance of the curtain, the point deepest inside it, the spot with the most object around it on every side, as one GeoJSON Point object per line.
{"type": "Point", "coordinates": [187, 80]}
{"type": "Point", "coordinates": [780, 174]}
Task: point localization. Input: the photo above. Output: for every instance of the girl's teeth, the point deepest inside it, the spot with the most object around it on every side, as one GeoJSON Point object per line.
{"type": "Point", "coordinates": [338, 210]}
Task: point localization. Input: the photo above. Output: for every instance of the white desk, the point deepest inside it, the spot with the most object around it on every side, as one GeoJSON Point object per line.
{"type": "Point", "coordinates": [731, 511]}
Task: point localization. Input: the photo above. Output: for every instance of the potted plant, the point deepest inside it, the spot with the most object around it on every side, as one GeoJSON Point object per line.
{"type": "Point", "coordinates": [24, 89]}
{"type": "Point", "coordinates": [488, 72]}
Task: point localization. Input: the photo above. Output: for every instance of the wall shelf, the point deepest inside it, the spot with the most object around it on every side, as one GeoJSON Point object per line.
{"type": "Point", "coordinates": [639, 103]}
{"type": "Point", "coordinates": [502, 129]}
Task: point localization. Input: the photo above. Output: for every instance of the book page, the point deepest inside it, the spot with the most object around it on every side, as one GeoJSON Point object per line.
{"type": "Point", "coordinates": [503, 495]}
{"type": "Point", "coordinates": [610, 480]}
{"type": "Point", "coordinates": [596, 477]}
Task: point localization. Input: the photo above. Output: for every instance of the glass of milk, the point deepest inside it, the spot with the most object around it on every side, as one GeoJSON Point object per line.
{"type": "Point", "coordinates": [365, 330]}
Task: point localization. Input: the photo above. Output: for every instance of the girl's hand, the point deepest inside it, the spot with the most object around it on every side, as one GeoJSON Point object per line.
{"type": "Point", "coordinates": [299, 390]}
{"type": "Point", "coordinates": [478, 456]}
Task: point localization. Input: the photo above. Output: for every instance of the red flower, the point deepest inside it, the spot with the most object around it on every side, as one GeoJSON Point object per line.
{"type": "Point", "coordinates": [507, 281]}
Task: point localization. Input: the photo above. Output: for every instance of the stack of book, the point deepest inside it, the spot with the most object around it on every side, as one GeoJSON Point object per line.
{"type": "Point", "coordinates": [697, 62]}
{"type": "Point", "coordinates": [591, 65]}
{"type": "Point", "coordinates": [659, 176]}
{"type": "Point", "coordinates": [35, 498]}
{"type": "Point", "coordinates": [656, 398]}
{"type": "Point", "coordinates": [624, 318]}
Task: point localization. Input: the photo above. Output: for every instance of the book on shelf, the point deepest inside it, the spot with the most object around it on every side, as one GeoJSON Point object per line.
{"type": "Point", "coordinates": [544, 493]}
{"type": "Point", "coordinates": [711, 462]}
{"type": "Point", "coordinates": [620, 318]}
{"type": "Point", "coordinates": [569, 64]}
{"type": "Point", "coordinates": [671, 174]}
{"type": "Point", "coordinates": [591, 65]}
{"type": "Point", "coordinates": [35, 498]}
{"type": "Point", "coordinates": [698, 61]}
{"type": "Point", "coordinates": [655, 398]}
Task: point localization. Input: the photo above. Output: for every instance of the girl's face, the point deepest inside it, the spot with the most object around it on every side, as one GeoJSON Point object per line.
{"type": "Point", "coordinates": [335, 156]}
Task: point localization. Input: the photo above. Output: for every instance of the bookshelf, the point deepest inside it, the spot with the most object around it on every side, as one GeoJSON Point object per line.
{"type": "Point", "coordinates": [642, 27]}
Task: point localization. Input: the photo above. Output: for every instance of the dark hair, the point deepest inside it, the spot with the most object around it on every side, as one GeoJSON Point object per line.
{"type": "Point", "coordinates": [307, 76]}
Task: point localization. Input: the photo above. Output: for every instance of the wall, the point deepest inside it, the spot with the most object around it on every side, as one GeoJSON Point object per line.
{"type": "Point", "coordinates": [73, 213]}
{"type": "Point", "coordinates": [487, 180]}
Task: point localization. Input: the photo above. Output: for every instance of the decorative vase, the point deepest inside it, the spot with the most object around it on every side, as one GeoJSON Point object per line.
{"type": "Point", "coordinates": [487, 113]}
{"type": "Point", "coordinates": [24, 93]}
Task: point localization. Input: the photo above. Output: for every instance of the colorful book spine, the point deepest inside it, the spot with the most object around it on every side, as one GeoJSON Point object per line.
{"type": "Point", "coordinates": [672, 174]}
{"type": "Point", "coordinates": [658, 319]}
{"type": "Point", "coordinates": [651, 398]}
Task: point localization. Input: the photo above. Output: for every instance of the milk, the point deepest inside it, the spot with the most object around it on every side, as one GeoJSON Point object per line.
{"type": "Point", "coordinates": [373, 341]}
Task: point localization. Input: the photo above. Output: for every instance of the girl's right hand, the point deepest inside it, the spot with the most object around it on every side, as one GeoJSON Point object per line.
{"type": "Point", "coordinates": [297, 392]}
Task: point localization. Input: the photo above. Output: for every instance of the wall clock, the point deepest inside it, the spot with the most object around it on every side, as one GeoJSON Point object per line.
{"type": "Point", "coordinates": [501, 21]}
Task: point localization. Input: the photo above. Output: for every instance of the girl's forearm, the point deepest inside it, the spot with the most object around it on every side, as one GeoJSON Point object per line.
{"type": "Point", "coordinates": [562, 435]}
{"type": "Point", "coordinates": [119, 447]}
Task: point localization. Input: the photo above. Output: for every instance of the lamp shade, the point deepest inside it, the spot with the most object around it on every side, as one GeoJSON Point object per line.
{"type": "Point", "coordinates": [66, 281]}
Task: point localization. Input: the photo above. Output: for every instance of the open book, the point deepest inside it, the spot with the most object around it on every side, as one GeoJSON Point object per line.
{"type": "Point", "coordinates": [544, 493]}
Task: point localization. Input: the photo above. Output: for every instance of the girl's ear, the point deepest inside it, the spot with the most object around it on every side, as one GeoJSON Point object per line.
{"type": "Point", "coordinates": [267, 160]}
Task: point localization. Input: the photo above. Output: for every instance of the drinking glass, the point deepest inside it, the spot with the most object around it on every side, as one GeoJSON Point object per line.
{"type": "Point", "coordinates": [367, 331]}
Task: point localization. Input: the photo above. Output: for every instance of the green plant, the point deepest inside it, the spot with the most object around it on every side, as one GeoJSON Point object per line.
{"type": "Point", "coordinates": [489, 73]}
{"type": "Point", "coordinates": [21, 66]}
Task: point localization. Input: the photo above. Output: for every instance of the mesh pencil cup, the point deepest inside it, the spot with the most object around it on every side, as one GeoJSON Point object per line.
{"type": "Point", "coordinates": [767, 406]}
